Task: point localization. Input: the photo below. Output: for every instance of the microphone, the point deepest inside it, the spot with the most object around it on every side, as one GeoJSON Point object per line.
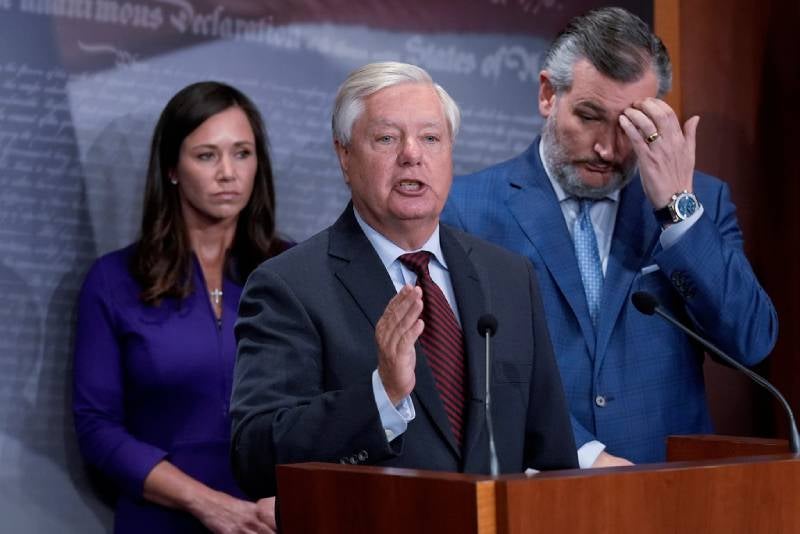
{"type": "Point", "coordinates": [487, 327]}
{"type": "Point", "coordinates": [648, 305]}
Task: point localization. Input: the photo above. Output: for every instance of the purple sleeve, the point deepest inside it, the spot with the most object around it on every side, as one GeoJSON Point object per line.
{"type": "Point", "coordinates": [99, 390]}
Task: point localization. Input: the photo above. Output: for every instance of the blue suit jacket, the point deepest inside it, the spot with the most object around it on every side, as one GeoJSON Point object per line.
{"type": "Point", "coordinates": [306, 351]}
{"type": "Point", "coordinates": [636, 379]}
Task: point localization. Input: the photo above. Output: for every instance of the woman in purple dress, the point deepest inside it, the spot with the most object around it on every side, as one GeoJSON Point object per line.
{"type": "Point", "coordinates": [155, 348]}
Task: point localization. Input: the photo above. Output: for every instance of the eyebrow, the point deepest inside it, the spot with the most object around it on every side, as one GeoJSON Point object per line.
{"type": "Point", "coordinates": [587, 104]}
{"type": "Point", "coordinates": [212, 145]}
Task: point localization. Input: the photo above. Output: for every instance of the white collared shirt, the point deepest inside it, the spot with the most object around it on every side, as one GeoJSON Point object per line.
{"type": "Point", "coordinates": [401, 275]}
{"type": "Point", "coordinates": [603, 214]}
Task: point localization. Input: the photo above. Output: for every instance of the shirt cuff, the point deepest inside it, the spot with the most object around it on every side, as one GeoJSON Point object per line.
{"type": "Point", "coordinates": [588, 453]}
{"type": "Point", "coordinates": [674, 232]}
{"type": "Point", "coordinates": [394, 419]}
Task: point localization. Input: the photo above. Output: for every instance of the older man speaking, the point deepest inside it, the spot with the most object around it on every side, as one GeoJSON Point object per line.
{"type": "Point", "coordinates": [360, 345]}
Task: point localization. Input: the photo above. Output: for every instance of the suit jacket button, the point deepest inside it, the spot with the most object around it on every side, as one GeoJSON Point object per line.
{"type": "Point", "coordinates": [678, 279]}
{"type": "Point", "coordinates": [689, 289]}
{"type": "Point", "coordinates": [600, 400]}
{"type": "Point", "coordinates": [362, 455]}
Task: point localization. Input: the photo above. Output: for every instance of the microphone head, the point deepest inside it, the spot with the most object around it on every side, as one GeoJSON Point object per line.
{"type": "Point", "coordinates": [487, 324]}
{"type": "Point", "coordinates": [645, 302]}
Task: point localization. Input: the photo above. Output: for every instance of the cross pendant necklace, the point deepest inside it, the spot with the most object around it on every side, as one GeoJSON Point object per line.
{"type": "Point", "coordinates": [216, 296]}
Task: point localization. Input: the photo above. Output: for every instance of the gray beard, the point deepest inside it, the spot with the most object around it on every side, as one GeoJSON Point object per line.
{"type": "Point", "coordinates": [566, 174]}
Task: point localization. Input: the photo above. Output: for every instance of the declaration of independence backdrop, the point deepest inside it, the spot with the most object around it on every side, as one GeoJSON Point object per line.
{"type": "Point", "coordinates": [81, 86]}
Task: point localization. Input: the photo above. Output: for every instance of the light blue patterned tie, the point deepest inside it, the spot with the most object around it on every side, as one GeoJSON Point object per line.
{"type": "Point", "coordinates": [588, 258]}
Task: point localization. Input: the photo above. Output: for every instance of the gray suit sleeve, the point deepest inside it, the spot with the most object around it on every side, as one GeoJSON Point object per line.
{"type": "Point", "coordinates": [281, 410]}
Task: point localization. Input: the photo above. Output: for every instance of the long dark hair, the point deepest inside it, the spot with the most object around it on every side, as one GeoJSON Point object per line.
{"type": "Point", "coordinates": [162, 262]}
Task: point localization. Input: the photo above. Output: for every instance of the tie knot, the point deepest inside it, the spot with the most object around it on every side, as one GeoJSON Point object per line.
{"type": "Point", "coordinates": [586, 204]}
{"type": "Point", "coordinates": [417, 261]}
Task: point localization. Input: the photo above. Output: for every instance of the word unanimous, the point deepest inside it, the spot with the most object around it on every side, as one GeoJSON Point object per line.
{"type": "Point", "coordinates": [104, 11]}
{"type": "Point", "coordinates": [178, 15]}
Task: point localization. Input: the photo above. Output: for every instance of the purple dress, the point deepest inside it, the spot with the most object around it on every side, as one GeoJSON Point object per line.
{"type": "Point", "coordinates": [153, 383]}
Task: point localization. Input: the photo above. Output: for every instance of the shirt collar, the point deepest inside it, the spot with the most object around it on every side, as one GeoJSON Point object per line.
{"type": "Point", "coordinates": [388, 252]}
{"type": "Point", "coordinates": [561, 195]}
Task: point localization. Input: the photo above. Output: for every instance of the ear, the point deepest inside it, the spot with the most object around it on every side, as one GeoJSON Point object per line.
{"type": "Point", "coordinates": [547, 94]}
{"type": "Point", "coordinates": [343, 153]}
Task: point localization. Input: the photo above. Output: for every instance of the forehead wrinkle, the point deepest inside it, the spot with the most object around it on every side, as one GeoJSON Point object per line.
{"type": "Point", "coordinates": [432, 124]}
{"type": "Point", "coordinates": [383, 121]}
{"type": "Point", "coordinates": [589, 85]}
{"type": "Point", "coordinates": [380, 122]}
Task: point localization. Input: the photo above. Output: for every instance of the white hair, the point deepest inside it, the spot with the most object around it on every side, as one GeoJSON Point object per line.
{"type": "Point", "coordinates": [370, 79]}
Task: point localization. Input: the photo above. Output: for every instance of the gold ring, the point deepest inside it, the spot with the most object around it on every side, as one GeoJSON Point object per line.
{"type": "Point", "coordinates": [652, 137]}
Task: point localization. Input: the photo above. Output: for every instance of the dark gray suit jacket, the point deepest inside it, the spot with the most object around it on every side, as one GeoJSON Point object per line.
{"type": "Point", "coordinates": [306, 353]}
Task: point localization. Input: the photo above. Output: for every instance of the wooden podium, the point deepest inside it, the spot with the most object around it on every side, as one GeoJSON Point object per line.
{"type": "Point", "coordinates": [730, 491]}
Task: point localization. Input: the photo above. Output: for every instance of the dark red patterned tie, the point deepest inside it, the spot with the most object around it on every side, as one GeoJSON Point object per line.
{"type": "Point", "coordinates": [442, 340]}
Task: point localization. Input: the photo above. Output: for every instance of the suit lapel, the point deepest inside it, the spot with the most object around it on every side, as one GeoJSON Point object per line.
{"type": "Point", "coordinates": [635, 235]}
{"type": "Point", "coordinates": [471, 305]}
{"type": "Point", "coordinates": [534, 205]}
{"type": "Point", "coordinates": [361, 270]}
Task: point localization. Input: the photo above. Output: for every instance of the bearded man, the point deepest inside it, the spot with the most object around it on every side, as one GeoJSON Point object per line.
{"type": "Point", "coordinates": [607, 203]}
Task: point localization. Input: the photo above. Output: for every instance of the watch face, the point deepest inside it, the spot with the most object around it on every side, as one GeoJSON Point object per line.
{"type": "Point", "coordinates": [685, 205]}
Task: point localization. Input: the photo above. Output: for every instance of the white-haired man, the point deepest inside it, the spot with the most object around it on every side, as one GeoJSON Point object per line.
{"type": "Point", "coordinates": [360, 345]}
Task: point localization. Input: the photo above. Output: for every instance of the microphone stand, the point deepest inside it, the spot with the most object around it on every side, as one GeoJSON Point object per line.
{"type": "Point", "coordinates": [494, 468]}
{"type": "Point", "coordinates": [648, 305]}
